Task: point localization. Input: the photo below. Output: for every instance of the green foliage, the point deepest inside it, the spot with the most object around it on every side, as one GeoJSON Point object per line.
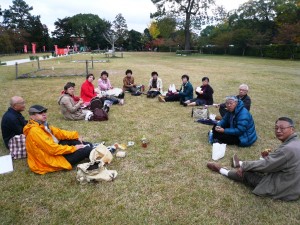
{"type": "Point", "coordinates": [120, 29]}
{"type": "Point", "coordinates": [24, 28]}
{"type": "Point", "coordinates": [6, 45]}
{"type": "Point", "coordinates": [188, 11]}
{"type": "Point", "coordinates": [134, 41]}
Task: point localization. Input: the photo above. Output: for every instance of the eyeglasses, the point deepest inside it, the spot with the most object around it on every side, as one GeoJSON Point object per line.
{"type": "Point", "coordinates": [243, 90]}
{"type": "Point", "coordinates": [230, 103]}
{"type": "Point", "coordinates": [20, 103]}
{"type": "Point", "coordinates": [281, 128]}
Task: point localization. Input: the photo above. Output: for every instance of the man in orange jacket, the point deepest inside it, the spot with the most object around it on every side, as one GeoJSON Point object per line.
{"type": "Point", "coordinates": [49, 148]}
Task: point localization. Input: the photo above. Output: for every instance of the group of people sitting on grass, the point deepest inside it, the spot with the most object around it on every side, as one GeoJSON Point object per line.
{"type": "Point", "coordinates": [50, 149]}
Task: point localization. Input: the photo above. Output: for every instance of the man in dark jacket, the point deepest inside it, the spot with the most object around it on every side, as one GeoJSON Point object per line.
{"type": "Point", "coordinates": [183, 94]}
{"type": "Point", "coordinates": [276, 175]}
{"type": "Point", "coordinates": [12, 125]}
{"type": "Point", "coordinates": [237, 126]}
{"type": "Point", "coordinates": [243, 96]}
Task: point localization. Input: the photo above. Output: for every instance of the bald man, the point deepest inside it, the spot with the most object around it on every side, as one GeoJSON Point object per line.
{"type": "Point", "coordinates": [12, 125]}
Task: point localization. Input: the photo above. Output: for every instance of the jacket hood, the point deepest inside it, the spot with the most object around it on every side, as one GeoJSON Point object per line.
{"type": "Point", "coordinates": [239, 107]}
{"type": "Point", "coordinates": [31, 123]}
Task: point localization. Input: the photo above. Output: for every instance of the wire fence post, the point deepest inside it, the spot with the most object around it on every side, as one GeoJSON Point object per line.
{"type": "Point", "coordinates": [16, 70]}
{"type": "Point", "coordinates": [87, 67]}
{"type": "Point", "coordinates": [92, 62]}
{"type": "Point", "coordinates": [38, 61]}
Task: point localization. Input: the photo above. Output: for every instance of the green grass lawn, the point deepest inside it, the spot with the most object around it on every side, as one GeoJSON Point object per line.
{"type": "Point", "coordinates": [167, 182]}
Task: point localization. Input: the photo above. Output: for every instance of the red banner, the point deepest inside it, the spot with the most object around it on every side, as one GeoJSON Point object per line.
{"type": "Point", "coordinates": [33, 48]}
{"type": "Point", "coordinates": [25, 48]}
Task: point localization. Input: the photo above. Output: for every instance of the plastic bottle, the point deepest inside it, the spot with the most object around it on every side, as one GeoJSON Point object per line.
{"type": "Point", "coordinates": [144, 142]}
{"type": "Point", "coordinates": [210, 137]}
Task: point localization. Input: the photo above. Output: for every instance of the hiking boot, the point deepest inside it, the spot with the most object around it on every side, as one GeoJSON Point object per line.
{"type": "Point", "coordinates": [235, 161]}
{"type": "Point", "coordinates": [214, 166]}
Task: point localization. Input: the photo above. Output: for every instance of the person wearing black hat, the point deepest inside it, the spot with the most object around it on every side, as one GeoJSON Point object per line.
{"type": "Point", "coordinates": [69, 108]}
{"type": "Point", "coordinates": [49, 148]}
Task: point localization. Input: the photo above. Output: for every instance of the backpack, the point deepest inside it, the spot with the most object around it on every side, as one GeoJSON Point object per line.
{"type": "Point", "coordinates": [99, 115]}
{"type": "Point", "coordinates": [96, 103]}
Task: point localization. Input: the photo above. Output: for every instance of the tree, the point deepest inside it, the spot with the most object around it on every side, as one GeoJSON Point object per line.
{"type": "Point", "coordinates": [23, 27]}
{"type": "Point", "coordinates": [17, 16]}
{"type": "Point", "coordinates": [134, 41]}
{"type": "Point", "coordinates": [188, 11]}
{"type": "Point", "coordinates": [153, 30]}
{"type": "Point", "coordinates": [120, 29]}
{"type": "Point", "coordinates": [62, 33]}
{"type": "Point", "coordinates": [166, 26]}
{"type": "Point", "coordinates": [6, 44]}
{"type": "Point", "coordinates": [87, 27]}
{"type": "Point", "coordinates": [111, 38]}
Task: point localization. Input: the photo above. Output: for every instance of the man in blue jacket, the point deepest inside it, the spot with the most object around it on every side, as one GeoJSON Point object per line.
{"type": "Point", "coordinates": [237, 126]}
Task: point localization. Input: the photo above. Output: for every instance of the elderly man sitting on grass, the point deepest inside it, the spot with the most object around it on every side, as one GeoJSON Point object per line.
{"type": "Point", "coordinates": [12, 125]}
{"type": "Point", "coordinates": [49, 148]}
{"type": "Point", "coordinates": [237, 126]}
{"type": "Point", "coordinates": [278, 174]}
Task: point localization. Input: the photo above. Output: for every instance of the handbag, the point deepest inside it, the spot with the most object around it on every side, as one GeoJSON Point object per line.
{"type": "Point", "coordinates": [200, 113]}
{"type": "Point", "coordinates": [94, 172]}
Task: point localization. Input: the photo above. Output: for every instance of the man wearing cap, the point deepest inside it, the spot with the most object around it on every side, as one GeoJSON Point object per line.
{"type": "Point", "coordinates": [49, 148]}
{"type": "Point", "coordinates": [237, 126]}
{"type": "Point", "coordinates": [277, 174]}
{"type": "Point", "coordinates": [12, 125]}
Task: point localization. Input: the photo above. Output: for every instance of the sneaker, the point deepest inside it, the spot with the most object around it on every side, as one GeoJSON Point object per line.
{"type": "Point", "coordinates": [121, 101]}
{"type": "Point", "coordinates": [161, 98]}
{"type": "Point", "coordinates": [235, 161]}
{"type": "Point", "coordinates": [214, 166]}
{"type": "Point", "coordinates": [184, 104]}
{"type": "Point", "coordinates": [106, 108]}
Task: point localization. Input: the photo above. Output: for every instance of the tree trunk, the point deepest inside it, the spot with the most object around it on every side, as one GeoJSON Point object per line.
{"type": "Point", "coordinates": [187, 32]}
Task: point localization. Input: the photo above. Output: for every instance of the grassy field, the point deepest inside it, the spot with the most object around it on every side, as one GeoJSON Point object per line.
{"type": "Point", "coordinates": [168, 182]}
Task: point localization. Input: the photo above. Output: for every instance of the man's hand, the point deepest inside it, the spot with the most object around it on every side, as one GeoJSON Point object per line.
{"type": "Point", "coordinates": [80, 139]}
{"type": "Point", "coordinates": [219, 129]}
{"type": "Point", "coordinates": [240, 172]}
{"type": "Point", "coordinates": [79, 146]}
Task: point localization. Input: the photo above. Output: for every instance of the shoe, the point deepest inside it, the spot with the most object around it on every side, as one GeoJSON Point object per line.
{"type": "Point", "coordinates": [214, 166]}
{"type": "Point", "coordinates": [161, 98]}
{"type": "Point", "coordinates": [106, 108]}
{"type": "Point", "coordinates": [121, 101]}
{"type": "Point", "coordinates": [235, 161]}
{"type": "Point", "coordinates": [184, 104]}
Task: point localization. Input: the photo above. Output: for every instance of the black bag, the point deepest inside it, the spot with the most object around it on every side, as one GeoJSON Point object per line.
{"type": "Point", "coordinates": [99, 115]}
{"type": "Point", "coordinates": [96, 103]}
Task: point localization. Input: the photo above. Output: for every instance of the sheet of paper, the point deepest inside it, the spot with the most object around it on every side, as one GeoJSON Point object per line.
{"type": "Point", "coordinates": [6, 164]}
